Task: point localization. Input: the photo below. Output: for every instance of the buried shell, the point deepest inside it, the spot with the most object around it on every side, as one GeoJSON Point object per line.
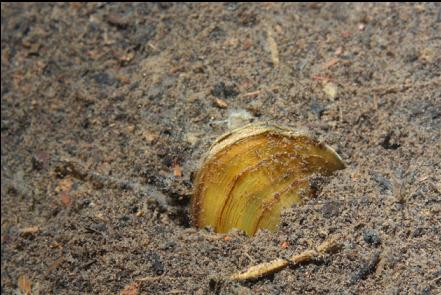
{"type": "Point", "coordinates": [250, 174]}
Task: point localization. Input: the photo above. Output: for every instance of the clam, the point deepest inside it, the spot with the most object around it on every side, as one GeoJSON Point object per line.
{"type": "Point", "coordinates": [251, 174]}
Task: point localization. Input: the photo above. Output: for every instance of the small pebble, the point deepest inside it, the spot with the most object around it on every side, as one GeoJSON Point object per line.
{"type": "Point", "coordinates": [222, 90]}
{"type": "Point", "coordinates": [331, 90]}
{"type": "Point", "coordinates": [238, 118]}
{"type": "Point", "coordinates": [371, 237]}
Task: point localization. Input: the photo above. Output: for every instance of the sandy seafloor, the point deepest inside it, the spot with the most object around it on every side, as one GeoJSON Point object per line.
{"type": "Point", "coordinates": [107, 109]}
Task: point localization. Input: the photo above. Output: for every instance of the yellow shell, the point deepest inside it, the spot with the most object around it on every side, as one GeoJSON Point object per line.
{"type": "Point", "coordinates": [250, 174]}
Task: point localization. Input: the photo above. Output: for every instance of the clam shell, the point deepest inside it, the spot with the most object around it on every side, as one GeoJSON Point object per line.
{"type": "Point", "coordinates": [250, 174]}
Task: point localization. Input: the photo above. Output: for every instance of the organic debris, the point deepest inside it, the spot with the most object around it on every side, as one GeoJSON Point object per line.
{"type": "Point", "coordinates": [263, 269]}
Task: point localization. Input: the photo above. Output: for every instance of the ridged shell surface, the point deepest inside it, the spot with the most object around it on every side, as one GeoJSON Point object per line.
{"type": "Point", "coordinates": [250, 174]}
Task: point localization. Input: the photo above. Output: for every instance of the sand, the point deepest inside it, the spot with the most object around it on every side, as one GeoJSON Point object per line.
{"type": "Point", "coordinates": [107, 110]}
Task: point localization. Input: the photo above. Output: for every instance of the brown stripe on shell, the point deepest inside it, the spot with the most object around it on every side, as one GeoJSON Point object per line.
{"type": "Point", "coordinates": [243, 174]}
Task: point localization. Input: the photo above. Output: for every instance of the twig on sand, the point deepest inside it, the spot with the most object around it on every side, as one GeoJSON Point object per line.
{"type": "Point", "coordinates": [263, 269]}
{"type": "Point", "coordinates": [251, 94]}
{"type": "Point", "coordinates": [272, 47]}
